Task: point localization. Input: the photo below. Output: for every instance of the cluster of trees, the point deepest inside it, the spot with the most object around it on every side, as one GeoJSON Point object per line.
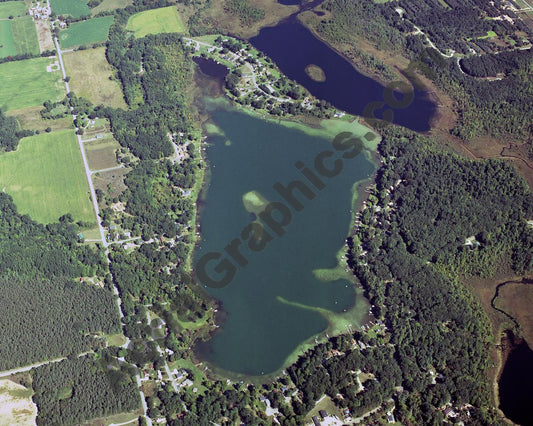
{"type": "Point", "coordinates": [491, 65]}
{"type": "Point", "coordinates": [415, 255]}
{"type": "Point", "coordinates": [41, 302]}
{"type": "Point", "coordinates": [247, 13]}
{"type": "Point", "coordinates": [379, 23]}
{"type": "Point", "coordinates": [155, 72]}
{"type": "Point", "coordinates": [79, 389]}
{"type": "Point", "coordinates": [10, 135]}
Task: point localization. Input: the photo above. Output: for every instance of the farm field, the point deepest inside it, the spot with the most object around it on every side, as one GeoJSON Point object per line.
{"type": "Point", "coordinates": [110, 5]}
{"type": "Point", "coordinates": [7, 43]}
{"type": "Point", "coordinates": [74, 8]}
{"type": "Point", "coordinates": [85, 32]}
{"type": "Point", "coordinates": [12, 8]}
{"type": "Point", "coordinates": [101, 153]}
{"type": "Point", "coordinates": [89, 74]}
{"type": "Point", "coordinates": [25, 36]}
{"type": "Point", "coordinates": [45, 177]}
{"type": "Point", "coordinates": [27, 83]}
{"type": "Point", "coordinates": [155, 21]}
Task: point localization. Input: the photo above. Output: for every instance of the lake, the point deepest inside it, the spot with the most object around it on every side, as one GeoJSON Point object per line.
{"type": "Point", "coordinates": [293, 48]}
{"type": "Point", "coordinates": [274, 302]}
{"type": "Point", "coordinates": [516, 385]}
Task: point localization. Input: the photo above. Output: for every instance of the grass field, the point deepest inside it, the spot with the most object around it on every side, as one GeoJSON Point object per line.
{"type": "Point", "coordinates": [25, 36]}
{"type": "Point", "coordinates": [110, 5]}
{"type": "Point", "coordinates": [89, 74]}
{"type": "Point", "coordinates": [155, 21]}
{"type": "Point", "coordinates": [45, 177]}
{"type": "Point", "coordinates": [101, 153]}
{"type": "Point", "coordinates": [27, 83]}
{"type": "Point", "coordinates": [30, 118]}
{"type": "Point", "coordinates": [75, 8]}
{"type": "Point", "coordinates": [7, 43]}
{"type": "Point", "coordinates": [12, 8]}
{"type": "Point", "coordinates": [86, 32]}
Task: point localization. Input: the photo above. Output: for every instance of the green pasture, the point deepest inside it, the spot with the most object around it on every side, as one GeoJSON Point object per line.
{"type": "Point", "coordinates": [25, 36]}
{"type": "Point", "coordinates": [86, 32]}
{"type": "Point", "coordinates": [12, 8]}
{"type": "Point", "coordinates": [7, 43]}
{"type": "Point", "coordinates": [46, 178]}
{"type": "Point", "coordinates": [155, 21]}
{"type": "Point", "coordinates": [74, 8]}
{"type": "Point", "coordinates": [27, 83]}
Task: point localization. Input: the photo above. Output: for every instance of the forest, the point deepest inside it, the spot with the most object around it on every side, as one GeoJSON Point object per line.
{"type": "Point", "coordinates": [247, 13]}
{"type": "Point", "coordinates": [412, 239]}
{"type": "Point", "coordinates": [79, 389]}
{"type": "Point", "coordinates": [42, 299]}
{"type": "Point", "coordinates": [10, 135]}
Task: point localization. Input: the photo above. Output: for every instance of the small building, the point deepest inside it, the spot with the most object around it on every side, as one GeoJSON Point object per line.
{"type": "Point", "coordinates": [390, 417]}
{"type": "Point", "coordinates": [315, 421]}
{"type": "Point", "coordinates": [323, 414]}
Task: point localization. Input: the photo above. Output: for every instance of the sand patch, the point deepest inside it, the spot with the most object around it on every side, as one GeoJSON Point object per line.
{"type": "Point", "coordinates": [16, 405]}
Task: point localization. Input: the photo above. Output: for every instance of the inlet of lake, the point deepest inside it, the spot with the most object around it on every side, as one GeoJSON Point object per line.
{"type": "Point", "coordinates": [293, 48]}
{"type": "Point", "coordinates": [270, 306]}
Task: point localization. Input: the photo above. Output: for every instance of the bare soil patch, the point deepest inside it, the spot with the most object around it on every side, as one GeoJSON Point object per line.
{"type": "Point", "coordinates": [44, 35]}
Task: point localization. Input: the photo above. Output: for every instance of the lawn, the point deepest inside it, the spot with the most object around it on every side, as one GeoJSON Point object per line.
{"type": "Point", "coordinates": [107, 5]}
{"type": "Point", "coordinates": [86, 32]}
{"type": "Point", "coordinates": [74, 8]}
{"type": "Point", "coordinates": [90, 75]}
{"type": "Point", "coordinates": [25, 36]}
{"type": "Point", "coordinates": [7, 43]}
{"type": "Point", "coordinates": [155, 21]}
{"type": "Point", "coordinates": [12, 8]}
{"type": "Point", "coordinates": [46, 179]}
{"type": "Point", "coordinates": [27, 83]}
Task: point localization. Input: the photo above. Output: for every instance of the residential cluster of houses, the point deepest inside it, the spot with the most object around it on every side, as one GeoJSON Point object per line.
{"type": "Point", "coordinates": [40, 12]}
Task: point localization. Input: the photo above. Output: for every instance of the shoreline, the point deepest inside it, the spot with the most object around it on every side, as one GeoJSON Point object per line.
{"type": "Point", "coordinates": [324, 128]}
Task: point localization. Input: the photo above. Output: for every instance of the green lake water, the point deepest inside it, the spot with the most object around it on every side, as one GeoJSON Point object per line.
{"type": "Point", "coordinates": [260, 329]}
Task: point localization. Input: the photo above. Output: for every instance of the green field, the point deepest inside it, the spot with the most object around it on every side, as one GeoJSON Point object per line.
{"type": "Point", "coordinates": [27, 83]}
{"type": "Point", "coordinates": [46, 179]}
{"type": "Point", "coordinates": [155, 21]}
{"type": "Point", "coordinates": [7, 43]}
{"type": "Point", "coordinates": [18, 36]}
{"type": "Point", "coordinates": [86, 32]}
{"type": "Point", "coordinates": [110, 5]}
{"type": "Point", "coordinates": [12, 8]}
{"type": "Point", "coordinates": [75, 8]}
{"type": "Point", "coordinates": [25, 36]}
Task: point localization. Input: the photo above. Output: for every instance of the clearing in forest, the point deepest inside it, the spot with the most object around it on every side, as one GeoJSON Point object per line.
{"type": "Point", "coordinates": [45, 177]}
{"type": "Point", "coordinates": [155, 21]}
{"type": "Point", "coordinates": [90, 77]}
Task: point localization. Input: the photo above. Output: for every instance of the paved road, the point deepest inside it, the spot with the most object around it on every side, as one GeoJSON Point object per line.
{"type": "Point", "coordinates": [100, 227]}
